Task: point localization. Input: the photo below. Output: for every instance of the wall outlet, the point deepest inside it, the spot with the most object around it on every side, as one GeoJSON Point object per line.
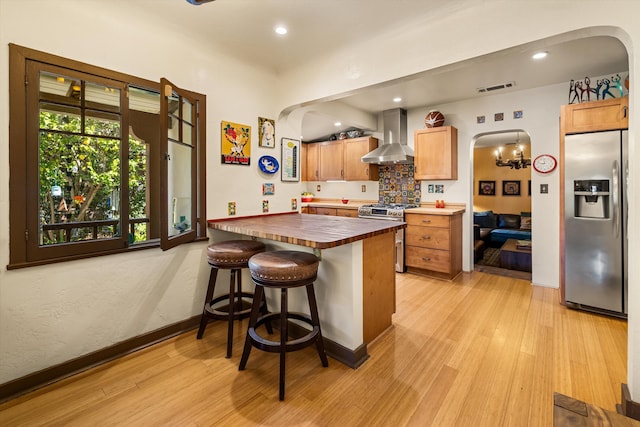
{"type": "Point", "coordinates": [363, 188]}
{"type": "Point", "coordinates": [318, 187]}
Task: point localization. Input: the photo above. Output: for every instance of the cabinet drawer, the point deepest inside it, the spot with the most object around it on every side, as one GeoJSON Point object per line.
{"type": "Point", "coordinates": [352, 213]}
{"type": "Point", "coordinates": [427, 237]}
{"type": "Point", "coordinates": [325, 211]}
{"type": "Point", "coordinates": [428, 259]}
{"type": "Point", "coordinates": [428, 220]}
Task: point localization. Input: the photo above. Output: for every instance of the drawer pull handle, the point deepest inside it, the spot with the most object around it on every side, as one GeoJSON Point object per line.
{"type": "Point", "coordinates": [426, 237]}
{"type": "Point", "coordinates": [426, 221]}
{"type": "Point", "coordinates": [426, 259]}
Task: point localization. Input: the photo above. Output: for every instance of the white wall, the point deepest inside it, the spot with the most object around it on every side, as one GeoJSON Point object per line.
{"type": "Point", "coordinates": [54, 313]}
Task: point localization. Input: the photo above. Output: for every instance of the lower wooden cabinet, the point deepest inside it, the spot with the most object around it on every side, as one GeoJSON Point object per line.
{"type": "Point", "coordinates": [433, 245]}
{"type": "Point", "coordinates": [317, 210]}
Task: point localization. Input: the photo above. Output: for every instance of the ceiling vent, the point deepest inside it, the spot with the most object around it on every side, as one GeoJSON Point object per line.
{"type": "Point", "coordinates": [496, 87]}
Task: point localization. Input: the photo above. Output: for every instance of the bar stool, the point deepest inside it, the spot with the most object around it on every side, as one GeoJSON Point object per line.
{"type": "Point", "coordinates": [230, 255]}
{"type": "Point", "coordinates": [283, 270]}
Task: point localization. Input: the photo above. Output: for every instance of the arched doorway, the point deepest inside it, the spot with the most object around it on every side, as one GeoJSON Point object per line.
{"type": "Point", "coordinates": [501, 202]}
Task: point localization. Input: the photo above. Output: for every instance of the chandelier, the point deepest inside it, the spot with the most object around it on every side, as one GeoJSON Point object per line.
{"type": "Point", "coordinates": [518, 161]}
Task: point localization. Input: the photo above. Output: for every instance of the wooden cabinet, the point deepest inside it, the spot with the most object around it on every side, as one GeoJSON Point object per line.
{"type": "Point", "coordinates": [317, 210]}
{"type": "Point", "coordinates": [339, 160]}
{"type": "Point", "coordinates": [310, 162]}
{"type": "Point", "coordinates": [351, 213]}
{"type": "Point", "coordinates": [433, 245]}
{"type": "Point", "coordinates": [593, 116]}
{"type": "Point", "coordinates": [436, 153]}
{"type": "Point", "coordinates": [354, 169]}
{"type": "Point", "coordinates": [322, 211]}
{"type": "Point", "coordinates": [331, 161]}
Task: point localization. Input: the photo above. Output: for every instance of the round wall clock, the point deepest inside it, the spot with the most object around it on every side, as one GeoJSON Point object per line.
{"type": "Point", "coordinates": [545, 163]}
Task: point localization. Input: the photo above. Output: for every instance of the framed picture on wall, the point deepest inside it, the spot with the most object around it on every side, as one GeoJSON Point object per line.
{"type": "Point", "coordinates": [510, 188]}
{"type": "Point", "coordinates": [487, 188]}
{"type": "Point", "coordinates": [290, 160]}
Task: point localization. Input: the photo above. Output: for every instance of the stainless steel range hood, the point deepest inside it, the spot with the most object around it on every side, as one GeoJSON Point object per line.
{"type": "Point", "coordinates": [394, 148]}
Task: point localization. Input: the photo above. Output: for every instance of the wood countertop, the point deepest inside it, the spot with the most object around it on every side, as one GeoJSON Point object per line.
{"type": "Point", "coordinates": [432, 210]}
{"type": "Point", "coordinates": [425, 208]}
{"type": "Point", "coordinates": [315, 231]}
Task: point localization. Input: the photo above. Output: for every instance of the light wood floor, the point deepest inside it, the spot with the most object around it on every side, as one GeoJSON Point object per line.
{"type": "Point", "coordinates": [481, 351]}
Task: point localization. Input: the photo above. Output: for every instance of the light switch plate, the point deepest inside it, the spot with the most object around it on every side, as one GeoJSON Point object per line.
{"type": "Point", "coordinates": [544, 188]}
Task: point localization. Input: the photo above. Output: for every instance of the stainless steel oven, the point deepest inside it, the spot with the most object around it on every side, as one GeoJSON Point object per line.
{"type": "Point", "coordinates": [389, 213]}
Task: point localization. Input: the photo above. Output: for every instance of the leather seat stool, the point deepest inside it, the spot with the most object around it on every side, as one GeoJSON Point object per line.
{"type": "Point", "coordinates": [283, 270]}
{"type": "Point", "coordinates": [231, 255]}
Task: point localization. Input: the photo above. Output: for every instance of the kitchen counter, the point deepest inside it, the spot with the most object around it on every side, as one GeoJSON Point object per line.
{"type": "Point", "coordinates": [314, 231]}
{"type": "Point", "coordinates": [449, 209]}
{"type": "Point", "coordinates": [356, 283]}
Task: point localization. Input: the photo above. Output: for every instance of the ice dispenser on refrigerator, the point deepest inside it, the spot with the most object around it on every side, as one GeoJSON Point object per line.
{"type": "Point", "coordinates": [591, 198]}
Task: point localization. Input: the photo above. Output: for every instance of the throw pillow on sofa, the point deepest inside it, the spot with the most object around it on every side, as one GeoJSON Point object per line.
{"type": "Point", "coordinates": [525, 223]}
{"type": "Point", "coordinates": [508, 221]}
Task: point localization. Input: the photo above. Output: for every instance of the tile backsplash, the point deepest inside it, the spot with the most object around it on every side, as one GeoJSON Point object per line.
{"type": "Point", "coordinates": [397, 185]}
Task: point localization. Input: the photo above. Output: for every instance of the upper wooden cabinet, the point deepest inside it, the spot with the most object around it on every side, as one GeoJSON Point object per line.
{"type": "Point", "coordinates": [436, 153]}
{"type": "Point", "coordinates": [593, 116]}
{"type": "Point", "coordinates": [339, 160]}
{"type": "Point", "coordinates": [354, 169]}
{"type": "Point", "coordinates": [310, 162]}
{"type": "Point", "coordinates": [331, 165]}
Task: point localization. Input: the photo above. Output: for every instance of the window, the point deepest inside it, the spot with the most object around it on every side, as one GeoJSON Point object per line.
{"type": "Point", "coordinates": [100, 161]}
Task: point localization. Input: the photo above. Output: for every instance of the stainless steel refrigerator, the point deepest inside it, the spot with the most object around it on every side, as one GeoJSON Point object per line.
{"type": "Point", "coordinates": [595, 222]}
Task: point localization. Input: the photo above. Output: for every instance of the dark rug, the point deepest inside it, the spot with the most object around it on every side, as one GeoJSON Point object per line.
{"type": "Point", "coordinates": [490, 264]}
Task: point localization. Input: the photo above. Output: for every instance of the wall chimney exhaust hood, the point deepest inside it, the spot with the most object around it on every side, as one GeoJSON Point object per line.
{"type": "Point", "coordinates": [394, 148]}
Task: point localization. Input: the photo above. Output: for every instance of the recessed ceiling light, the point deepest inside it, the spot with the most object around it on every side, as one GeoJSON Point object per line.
{"type": "Point", "coordinates": [539, 55]}
{"type": "Point", "coordinates": [337, 124]}
{"type": "Point", "coordinates": [397, 99]}
{"type": "Point", "coordinates": [281, 30]}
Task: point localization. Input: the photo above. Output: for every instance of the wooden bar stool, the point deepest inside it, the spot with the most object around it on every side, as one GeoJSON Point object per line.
{"type": "Point", "coordinates": [230, 255]}
{"type": "Point", "coordinates": [283, 270]}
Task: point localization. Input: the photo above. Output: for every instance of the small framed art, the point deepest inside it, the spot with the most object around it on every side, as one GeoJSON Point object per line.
{"type": "Point", "coordinates": [510, 188]}
{"type": "Point", "coordinates": [487, 188]}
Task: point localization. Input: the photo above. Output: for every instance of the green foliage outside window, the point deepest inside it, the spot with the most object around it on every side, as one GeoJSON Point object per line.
{"type": "Point", "coordinates": [85, 165]}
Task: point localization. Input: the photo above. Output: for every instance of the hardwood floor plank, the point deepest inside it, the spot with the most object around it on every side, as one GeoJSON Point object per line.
{"type": "Point", "coordinates": [480, 350]}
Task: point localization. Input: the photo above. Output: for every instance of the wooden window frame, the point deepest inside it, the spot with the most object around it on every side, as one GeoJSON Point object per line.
{"type": "Point", "coordinates": [25, 252]}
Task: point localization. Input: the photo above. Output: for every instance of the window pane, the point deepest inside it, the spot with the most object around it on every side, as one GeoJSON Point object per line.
{"type": "Point", "coordinates": [60, 118]}
{"type": "Point", "coordinates": [186, 111]}
{"type": "Point", "coordinates": [100, 123]}
{"type": "Point", "coordinates": [59, 88]}
{"type": "Point", "coordinates": [138, 194]}
{"type": "Point", "coordinates": [101, 97]}
{"type": "Point", "coordinates": [144, 100]}
{"type": "Point", "coordinates": [187, 130]}
{"type": "Point", "coordinates": [179, 188]}
{"type": "Point", "coordinates": [79, 184]}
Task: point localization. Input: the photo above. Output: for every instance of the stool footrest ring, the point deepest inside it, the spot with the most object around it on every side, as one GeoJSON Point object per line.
{"type": "Point", "coordinates": [291, 345]}
{"type": "Point", "coordinates": [238, 314]}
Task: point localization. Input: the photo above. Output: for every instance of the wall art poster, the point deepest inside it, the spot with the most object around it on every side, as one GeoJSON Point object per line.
{"type": "Point", "coordinates": [268, 189]}
{"type": "Point", "coordinates": [236, 144]}
{"type": "Point", "coordinates": [510, 188]}
{"type": "Point", "coordinates": [266, 132]}
{"type": "Point", "coordinates": [487, 188]}
{"type": "Point", "coordinates": [290, 163]}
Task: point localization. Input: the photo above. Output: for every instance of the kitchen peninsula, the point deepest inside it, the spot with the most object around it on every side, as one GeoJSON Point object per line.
{"type": "Point", "coordinates": [356, 283]}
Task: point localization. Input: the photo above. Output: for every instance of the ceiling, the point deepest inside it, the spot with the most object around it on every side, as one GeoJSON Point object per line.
{"type": "Point", "coordinates": [245, 28]}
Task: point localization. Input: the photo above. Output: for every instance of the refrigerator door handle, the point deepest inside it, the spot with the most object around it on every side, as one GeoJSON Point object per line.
{"type": "Point", "coordinates": [615, 199]}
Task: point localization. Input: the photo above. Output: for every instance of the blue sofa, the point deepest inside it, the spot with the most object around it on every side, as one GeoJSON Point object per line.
{"type": "Point", "coordinates": [495, 229]}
